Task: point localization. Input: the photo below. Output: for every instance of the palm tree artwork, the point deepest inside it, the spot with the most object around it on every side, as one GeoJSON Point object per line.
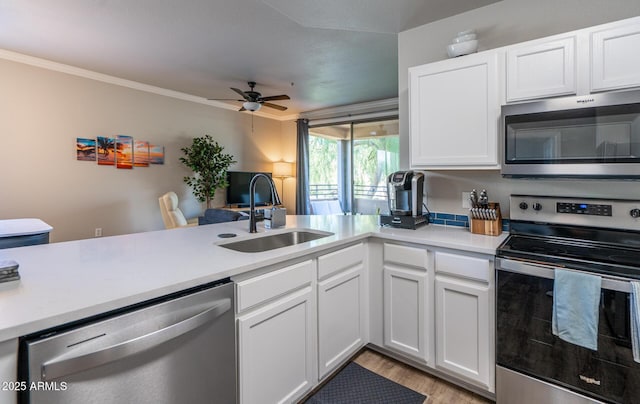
{"type": "Point", "coordinates": [106, 150]}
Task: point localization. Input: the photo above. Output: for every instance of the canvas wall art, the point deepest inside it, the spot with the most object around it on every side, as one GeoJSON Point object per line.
{"type": "Point", "coordinates": [141, 153]}
{"type": "Point", "coordinates": [106, 151]}
{"type": "Point", "coordinates": [156, 154]}
{"type": "Point", "coordinates": [124, 152]}
{"type": "Point", "coordinates": [121, 151]}
{"type": "Point", "coordinates": [85, 149]}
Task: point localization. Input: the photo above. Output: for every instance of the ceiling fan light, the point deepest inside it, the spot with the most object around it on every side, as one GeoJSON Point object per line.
{"type": "Point", "coordinates": [252, 106]}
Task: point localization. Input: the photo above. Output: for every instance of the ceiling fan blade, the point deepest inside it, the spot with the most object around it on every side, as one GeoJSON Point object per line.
{"type": "Point", "coordinates": [275, 97]}
{"type": "Point", "coordinates": [242, 94]}
{"type": "Point", "coordinates": [224, 99]}
{"type": "Point", "coordinates": [274, 106]}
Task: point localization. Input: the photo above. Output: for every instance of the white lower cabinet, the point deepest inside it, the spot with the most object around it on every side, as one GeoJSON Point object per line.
{"type": "Point", "coordinates": [464, 319]}
{"type": "Point", "coordinates": [405, 312]}
{"type": "Point", "coordinates": [8, 370]}
{"type": "Point", "coordinates": [276, 323]}
{"type": "Point", "coordinates": [298, 323]}
{"type": "Point", "coordinates": [276, 350]}
{"type": "Point", "coordinates": [340, 319]}
{"type": "Point", "coordinates": [406, 301]}
{"type": "Point", "coordinates": [341, 307]}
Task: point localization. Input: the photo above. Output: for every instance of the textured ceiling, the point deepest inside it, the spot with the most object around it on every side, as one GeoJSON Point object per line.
{"type": "Point", "coordinates": [321, 53]}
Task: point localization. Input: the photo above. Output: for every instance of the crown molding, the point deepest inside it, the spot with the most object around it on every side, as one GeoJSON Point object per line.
{"type": "Point", "coordinates": [105, 78]}
{"type": "Point", "coordinates": [389, 105]}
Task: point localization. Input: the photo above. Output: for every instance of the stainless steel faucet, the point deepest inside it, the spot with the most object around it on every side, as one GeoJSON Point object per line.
{"type": "Point", "coordinates": [252, 199]}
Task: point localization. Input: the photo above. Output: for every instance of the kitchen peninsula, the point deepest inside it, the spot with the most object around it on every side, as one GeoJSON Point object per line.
{"type": "Point", "coordinates": [71, 281]}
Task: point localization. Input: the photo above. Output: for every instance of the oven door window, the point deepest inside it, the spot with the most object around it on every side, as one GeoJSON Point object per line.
{"type": "Point", "coordinates": [608, 134]}
{"type": "Point", "coordinates": [526, 344]}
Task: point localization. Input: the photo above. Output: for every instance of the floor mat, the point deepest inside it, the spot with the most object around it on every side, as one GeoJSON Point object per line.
{"type": "Point", "coordinates": [355, 384]}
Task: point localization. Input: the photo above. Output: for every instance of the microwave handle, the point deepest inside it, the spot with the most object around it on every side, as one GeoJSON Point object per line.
{"type": "Point", "coordinates": [547, 271]}
{"type": "Point", "coordinates": [60, 367]}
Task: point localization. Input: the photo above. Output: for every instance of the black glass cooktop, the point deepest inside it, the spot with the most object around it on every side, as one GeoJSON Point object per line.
{"type": "Point", "coordinates": [596, 250]}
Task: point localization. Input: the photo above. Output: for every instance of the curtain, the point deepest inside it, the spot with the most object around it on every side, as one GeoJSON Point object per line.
{"type": "Point", "coordinates": [302, 168]}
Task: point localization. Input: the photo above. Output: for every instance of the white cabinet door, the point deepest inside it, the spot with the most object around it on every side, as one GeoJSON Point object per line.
{"type": "Point", "coordinates": [276, 350]}
{"type": "Point", "coordinates": [407, 302]}
{"type": "Point", "coordinates": [615, 58]}
{"type": "Point", "coordinates": [405, 311]}
{"type": "Point", "coordinates": [8, 370]}
{"type": "Point", "coordinates": [463, 343]}
{"type": "Point", "coordinates": [341, 318]}
{"type": "Point", "coordinates": [454, 109]}
{"type": "Point", "coordinates": [539, 70]}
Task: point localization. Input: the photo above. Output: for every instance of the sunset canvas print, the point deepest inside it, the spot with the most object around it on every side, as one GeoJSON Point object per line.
{"type": "Point", "coordinates": [106, 151]}
{"type": "Point", "coordinates": [85, 149]}
{"type": "Point", "coordinates": [156, 154]}
{"type": "Point", "coordinates": [124, 152]}
{"type": "Point", "coordinates": [141, 154]}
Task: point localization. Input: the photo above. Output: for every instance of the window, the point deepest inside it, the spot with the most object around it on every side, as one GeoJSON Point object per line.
{"type": "Point", "coordinates": [349, 163]}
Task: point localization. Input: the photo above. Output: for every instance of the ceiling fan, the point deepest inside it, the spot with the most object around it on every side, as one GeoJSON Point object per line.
{"type": "Point", "coordinates": [253, 100]}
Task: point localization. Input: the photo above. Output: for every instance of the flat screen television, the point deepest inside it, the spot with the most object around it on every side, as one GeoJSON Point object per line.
{"type": "Point", "coordinates": [238, 189]}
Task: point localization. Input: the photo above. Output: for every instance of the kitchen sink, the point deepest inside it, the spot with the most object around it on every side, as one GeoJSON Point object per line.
{"type": "Point", "coordinates": [274, 241]}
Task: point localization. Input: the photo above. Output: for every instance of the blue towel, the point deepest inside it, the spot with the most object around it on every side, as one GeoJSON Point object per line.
{"type": "Point", "coordinates": [576, 301]}
{"type": "Point", "coordinates": [635, 320]}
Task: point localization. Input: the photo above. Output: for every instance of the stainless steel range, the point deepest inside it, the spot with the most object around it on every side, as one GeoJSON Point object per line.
{"type": "Point", "coordinates": [587, 236]}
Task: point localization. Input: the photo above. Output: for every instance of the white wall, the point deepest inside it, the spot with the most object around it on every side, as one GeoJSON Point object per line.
{"type": "Point", "coordinates": [42, 112]}
{"type": "Point", "coordinates": [500, 24]}
{"type": "Point", "coordinates": [289, 138]}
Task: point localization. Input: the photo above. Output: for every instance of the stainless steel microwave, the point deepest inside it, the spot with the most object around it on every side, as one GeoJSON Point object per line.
{"type": "Point", "coordinates": [593, 136]}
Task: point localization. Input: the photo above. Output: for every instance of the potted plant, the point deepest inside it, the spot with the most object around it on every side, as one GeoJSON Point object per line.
{"type": "Point", "coordinates": [210, 164]}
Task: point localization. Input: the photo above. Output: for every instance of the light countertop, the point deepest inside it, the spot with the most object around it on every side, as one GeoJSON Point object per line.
{"type": "Point", "coordinates": [68, 281]}
{"type": "Point", "coordinates": [23, 227]}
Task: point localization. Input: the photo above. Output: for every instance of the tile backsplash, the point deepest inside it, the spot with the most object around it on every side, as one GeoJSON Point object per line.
{"type": "Point", "coordinates": [452, 219]}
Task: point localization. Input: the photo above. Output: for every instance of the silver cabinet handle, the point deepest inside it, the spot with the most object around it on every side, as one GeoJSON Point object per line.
{"type": "Point", "coordinates": [58, 368]}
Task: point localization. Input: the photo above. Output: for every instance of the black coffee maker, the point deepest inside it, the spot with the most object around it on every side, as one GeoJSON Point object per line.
{"type": "Point", "coordinates": [405, 191]}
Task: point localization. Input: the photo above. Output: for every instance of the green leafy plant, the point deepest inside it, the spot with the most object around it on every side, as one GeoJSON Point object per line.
{"type": "Point", "coordinates": [210, 165]}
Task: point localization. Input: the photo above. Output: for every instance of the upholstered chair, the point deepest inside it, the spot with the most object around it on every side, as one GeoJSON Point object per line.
{"type": "Point", "coordinates": [171, 214]}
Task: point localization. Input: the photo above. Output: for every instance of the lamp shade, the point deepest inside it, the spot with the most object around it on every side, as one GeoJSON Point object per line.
{"type": "Point", "coordinates": [252, 106]}
{"type": "Point", "coordinates": [282, 169]}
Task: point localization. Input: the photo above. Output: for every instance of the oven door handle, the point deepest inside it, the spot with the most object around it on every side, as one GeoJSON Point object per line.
{"type": "Point", "coordinates": [547, 271]}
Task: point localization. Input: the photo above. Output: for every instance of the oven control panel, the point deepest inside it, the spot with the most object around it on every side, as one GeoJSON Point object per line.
{"type": "Point", "coordinates": [580, 211]}
{"type": "Point", "coordinates": [584, 208]}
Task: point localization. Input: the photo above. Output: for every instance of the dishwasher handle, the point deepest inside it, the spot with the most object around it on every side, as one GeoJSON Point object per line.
{"type": "Point", "coordinates": [58, 368]}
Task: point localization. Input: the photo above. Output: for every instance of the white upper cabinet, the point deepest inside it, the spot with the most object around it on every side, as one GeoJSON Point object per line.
{"type": "Point", "coordinates": [600, 58]}
{"type": "Point", "coordinates": [615, 57]}
{"type": "Point", "coordinates": [454, 108]}
{"type": "Point", "coordinates": [541, 69]}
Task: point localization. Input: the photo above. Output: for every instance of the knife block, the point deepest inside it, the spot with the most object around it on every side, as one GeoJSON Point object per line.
{"type": "Point", "coordinates": [488, 227]}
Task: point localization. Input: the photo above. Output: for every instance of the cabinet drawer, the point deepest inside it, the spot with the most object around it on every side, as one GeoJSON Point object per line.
{"type": "Point", "coordinates": [254, 291]}
{"type": "Point", "coordinates": [340, 260]}
{"type": "Point", "coordinates": [403, 255]}
{"type": "Point", "coordinates": [463, 266]}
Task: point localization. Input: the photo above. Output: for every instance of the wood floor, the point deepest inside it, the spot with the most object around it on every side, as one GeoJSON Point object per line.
{"type": "Point", "coordinates": [438, 391]}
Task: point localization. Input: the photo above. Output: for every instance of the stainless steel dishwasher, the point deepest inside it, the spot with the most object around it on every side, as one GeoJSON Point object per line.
{"type": "Point", "coordinates": [178, 349]}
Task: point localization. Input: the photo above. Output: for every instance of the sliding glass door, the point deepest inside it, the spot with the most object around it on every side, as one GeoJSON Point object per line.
{"type": "Point", "coordinates": [349, 164]}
